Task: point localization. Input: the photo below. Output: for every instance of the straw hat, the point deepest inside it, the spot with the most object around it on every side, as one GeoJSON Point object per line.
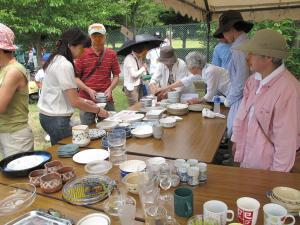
{"type": "Point", "coordinates": [7, 38]}
{"type": "Point", "coordinates": [266, 42]}
{"type": "Point", "coordinates": [230, 18]}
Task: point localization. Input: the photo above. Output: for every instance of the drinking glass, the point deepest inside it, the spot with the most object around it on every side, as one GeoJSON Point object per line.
{"type": "Point", "coordinates": [127, 213]}
{"type": "Point", "coordinates": [155, 215]}
{"type": "Point", "coordinates": [117, 146]}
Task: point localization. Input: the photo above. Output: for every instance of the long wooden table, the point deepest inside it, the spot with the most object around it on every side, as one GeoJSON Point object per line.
{"type": "Point", "coordinates": [224, 183]}
{"type": "Point", "coordinates": [193, 137]}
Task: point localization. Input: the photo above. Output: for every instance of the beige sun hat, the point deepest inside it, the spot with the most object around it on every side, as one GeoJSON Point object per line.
{"type": "Point", "coordinates": [266, 42]}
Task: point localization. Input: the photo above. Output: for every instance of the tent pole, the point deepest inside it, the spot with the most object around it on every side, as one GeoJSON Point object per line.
{"type": "Point", "coordinates": [208, 20]}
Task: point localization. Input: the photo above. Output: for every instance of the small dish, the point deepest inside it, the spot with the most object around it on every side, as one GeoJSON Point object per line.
{"type": "Point", "coordinates": [168, 122]}
{"type": "Point", "coordinates": [67, 173]}
{"type": "Point", "coordinates": [95, 218]}
{"type": "Point", "coordinates": [100, 167]}
{"type": "Point", "coordinates": [96, 133]}
{"type": "Point", "coordinates": [90, 155]}
{"type": "Point", "coordinates": [51, 182]}
{"type": "Point", "coordinates": [16, 197]}
{"type": "Point", "coordinates": [35, 176]}
{"type": "Point", "coordinates": [142, 131]}
{"type": "Point", "coordinates": [53, 166]}
{"type": "Point", "coordinates": [107, 125]}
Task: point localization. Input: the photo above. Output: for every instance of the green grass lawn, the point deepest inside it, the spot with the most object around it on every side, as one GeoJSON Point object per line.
{"type": "Point", "coordinates": [38, 132]}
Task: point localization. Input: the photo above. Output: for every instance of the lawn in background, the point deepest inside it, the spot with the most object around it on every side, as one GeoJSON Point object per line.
{"type": "Point", "coordinates": [38, 132]}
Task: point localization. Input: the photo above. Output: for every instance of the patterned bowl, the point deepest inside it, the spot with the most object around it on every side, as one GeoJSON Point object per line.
{"type": "Point", "coordinates": [53, 166]}
{"type": "Point", "coordinates": [35, 176]}
{"type": "Point", "coordinates": [51, 182]}
{"type": "Point", "coordinates": [67, 173]}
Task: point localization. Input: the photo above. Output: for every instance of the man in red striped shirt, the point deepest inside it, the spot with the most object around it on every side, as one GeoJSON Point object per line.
{"type": "Point", "coordinates": [96, 77]}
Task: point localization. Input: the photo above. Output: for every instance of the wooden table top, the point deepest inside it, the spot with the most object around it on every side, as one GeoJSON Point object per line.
{"type": "Point", "coordinates": [69, 211]}
{"type": "Point", "coordinates": [192, 138]}
{"type": "Point", "coordinates": [224, 183]}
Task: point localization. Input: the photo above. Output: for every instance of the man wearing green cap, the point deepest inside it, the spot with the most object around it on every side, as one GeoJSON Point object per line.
{"type": "Point", "coordinates": [266, 130]}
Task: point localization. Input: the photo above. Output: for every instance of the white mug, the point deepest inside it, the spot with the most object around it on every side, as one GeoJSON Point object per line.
{"type": "Point", "coordinates": [275, 214]}
{"type": "Point", "coordinates": [247, 210]}
{"type": "Point", "coordinates": [80, 135]}
{"type": "Point", "coordinates": [218, 211]}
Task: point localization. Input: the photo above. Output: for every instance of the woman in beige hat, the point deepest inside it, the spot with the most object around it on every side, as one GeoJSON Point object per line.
{"type": "Point", "coordinates": [15, 134]}
{"type": "Point", "coordinates": [233, 28]}
{"type": "Point", "coordinates": [170, 69]}
{"type": "Point", "coordinates": [266, 131]}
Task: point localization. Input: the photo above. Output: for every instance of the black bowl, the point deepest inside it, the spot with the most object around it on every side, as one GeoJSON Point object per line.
{"type": "Point", "coordinates": [23, 173]}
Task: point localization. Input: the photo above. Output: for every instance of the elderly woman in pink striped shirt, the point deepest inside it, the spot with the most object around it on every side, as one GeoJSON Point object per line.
{"type": "Point", "coordinates": [266, 130]}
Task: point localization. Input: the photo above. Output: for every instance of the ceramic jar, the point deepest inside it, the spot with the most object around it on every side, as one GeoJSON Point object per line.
{"type": "Point", "coordinates": [80, 135]}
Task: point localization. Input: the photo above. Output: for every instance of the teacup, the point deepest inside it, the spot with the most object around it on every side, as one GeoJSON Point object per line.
{"type": "Point", "coordinates": [67, 173]}
{"type": "Point", "coordinates": [34, 176]}
{"type": "Point", "coordinates": [217, 210]}
{"type": "Point", "coordinates": [51, 182]}
{"type": "Point", "coordinates": [53, 166]}
{"type": "Point", "coordinates": [80, 135]}
{"type": "Point", "coordinates": [247, 210]}
{"type": "Point", "coordinates": [275, 214]}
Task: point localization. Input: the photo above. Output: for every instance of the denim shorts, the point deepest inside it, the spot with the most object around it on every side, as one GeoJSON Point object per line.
{"type": "Point", "coordinates": [58, 127]}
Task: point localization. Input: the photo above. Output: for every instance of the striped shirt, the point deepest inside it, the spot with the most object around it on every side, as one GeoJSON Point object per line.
{"type": "Point", "coordinates": [100, 80]}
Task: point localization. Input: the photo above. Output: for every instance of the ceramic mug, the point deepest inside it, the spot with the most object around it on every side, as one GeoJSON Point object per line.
{"type": "Point", "coordinates": [158, 131]}
{"type": "Point", "coordinates": [183, 202]}
{"type": "Point", "coordinates": [80, 135]}
{"type": "Point", "coordinates": [247, 210]}
{"type": "Point", "coordinates": [275, 214]}
{"type": "Point", "coordinates": [217, 210]}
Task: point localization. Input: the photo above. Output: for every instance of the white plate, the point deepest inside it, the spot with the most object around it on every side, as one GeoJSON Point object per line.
{"type": "Point", "coordinates": [134, 118]}
{"type": "Point", "coordinates": [156, 161]}
{"type": "Point", "coordinates": [95, 219]}
{"type": "Point", "coordinates": [90, 155]}
{"type": "Point", "coordinates": [107, 125]}
{"type": "Point", "coordinates": [100, 167]}
{"type": "Point", "coordinates": [143, 131]}
{"type": "Point", "coordinates": [178, 106]}
{"type": "Point", "coordinates": [168, 122]}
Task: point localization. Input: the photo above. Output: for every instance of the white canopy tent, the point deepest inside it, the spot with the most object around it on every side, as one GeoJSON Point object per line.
{"type": "Point", "coordinates": [255, 10]}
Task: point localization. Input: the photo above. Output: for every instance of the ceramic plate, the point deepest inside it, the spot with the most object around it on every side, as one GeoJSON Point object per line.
{"type": "Point", "coordinates": [107, 125]}
{"type": "Point", "coordinates": [90, 155]}
{"type": "Point", "coordinates": [143, 131]}
{"type": "Point", "coordinates": [134, 118]}
{"type": "Point", "coordinates": [99, 167]}
{"type": "Point", "coordinates": [96, 133]}
{"type": "Point", "coordinates": [95, 218]}
{"type": "Point", "coordinates": [199, 107]}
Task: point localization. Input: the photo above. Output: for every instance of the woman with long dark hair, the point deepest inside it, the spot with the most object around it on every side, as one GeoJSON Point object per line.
{"type": "Point", "coordinates": [59, 96]}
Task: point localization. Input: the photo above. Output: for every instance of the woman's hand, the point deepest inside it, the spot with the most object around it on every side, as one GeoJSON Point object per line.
{"type": "Point", "coordinates": [102, 113]}
{"type": "Point", "coordinates": [194, 101]}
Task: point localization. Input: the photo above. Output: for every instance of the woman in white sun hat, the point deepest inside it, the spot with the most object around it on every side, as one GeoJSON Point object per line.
{"type": "Point", "coordinates": [15, 134]}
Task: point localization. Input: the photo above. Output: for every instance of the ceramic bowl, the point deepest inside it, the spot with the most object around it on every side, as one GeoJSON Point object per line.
{"type": "Point", "coordinates": [67, 173]}
{"type": "Point", "coordinates": [291, 208]}
{"type": "Point", "coordinates": [101, 105]}
{"type": "Point", "coordinates": [286, 194]}
{"type": "Point", "coordinates": [51, 183]}
{"type": "Point", "coordinates": [133, 180]}
{"type": "Point", "coordinates": [53, 166]}
{"type": "Point", "coordinates": [168, 122]}
{"type": "Point", "coordinates": [177, 109]}
{"type": "Point", "coordinates": [173, 94]}
{"type": "Point", "coordinates": [131, 166]}
{"type": "Point", "coordinates": [35, 176]}
{"type": "Point", "coordinates": [100, 167]}
{"type": "Point", "coordinates": [107, 125]}
{"type": "Point", "coordinates": [142, 131]}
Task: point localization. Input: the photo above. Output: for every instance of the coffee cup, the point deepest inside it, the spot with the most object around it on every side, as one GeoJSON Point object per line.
{"type": "Point", "coordinates": [217, 210]}
{"type": "Point", "coordinates": [247, 210]}
{"type": "Point", "coordinates": [275, 214]}
{"type": "Point", "coordinates": [80, 135]}
{"type": "Point", "coordinates": [183, 202]}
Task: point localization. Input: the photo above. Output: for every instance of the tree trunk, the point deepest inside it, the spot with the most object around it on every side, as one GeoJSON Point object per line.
{"type": "Point", "coordinates": [38, 46]}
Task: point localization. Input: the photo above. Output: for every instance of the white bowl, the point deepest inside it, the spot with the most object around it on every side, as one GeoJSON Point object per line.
{"type": "Point", "coordinates": [156, 161]}
{"type": "Point", "coordinates": [107, 125]}
{"type": "Point", "coordinates": [101, 105]}
{"type": "Point", "coordinates": [143, 131]}
{"type": "Point", "coordinates": [174, 94]}
{"type": "Point", "coordinates": [177, 109]}
{"type": "Point", "coordinates": [286, 194]}
{"type": "Point", "coordinates": [168, 122]}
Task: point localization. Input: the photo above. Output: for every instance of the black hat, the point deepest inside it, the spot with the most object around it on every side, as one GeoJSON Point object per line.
{"type": "Point", "coordinates": [230, 18]}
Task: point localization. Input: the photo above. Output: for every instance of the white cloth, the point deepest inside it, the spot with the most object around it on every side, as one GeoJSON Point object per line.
{"type": "Point", "coordinates": [40, 75]}
{"type": "Point", "coordinates": [217, 81]}
{"type": "Point", "coordinates": [59, 77]}
{"type": "Point", "coordinates": [161, 75]}
{"type": "Point", "coordinates": [131, 71]}
{"type": "Point", "coordinates": [263, 82]}
{"type": "Point", "coordinates": [19, 141]}
{"type": "Point", "coordinates": [152, 56]}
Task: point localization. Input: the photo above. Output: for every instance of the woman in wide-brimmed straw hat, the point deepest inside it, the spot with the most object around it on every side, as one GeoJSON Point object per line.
{"type": "Point", "coordinates": [267, 126]}
{"type": "Point", "coordinates": [15, 134]}
{"type": "Point", "coordinates": [233, 28]}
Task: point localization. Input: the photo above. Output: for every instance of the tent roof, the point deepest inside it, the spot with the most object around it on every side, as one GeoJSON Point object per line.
{"type": "Point", "coordinates": [255, 10]}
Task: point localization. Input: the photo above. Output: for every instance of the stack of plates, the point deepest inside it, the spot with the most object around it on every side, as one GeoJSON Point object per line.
{"type": "Point", "coordinates": [199, 107]}
{"type": "Point", "coordinates": [287, 197]}
{"type": "Point", "coordinates": [178, 109]}
{"type": "Point", "coordinates": [67, 151]}
{"type": "Point", "coordinates": [173, 96]}
{"type": "Point", "coordinates": [101, 97]}
{"type": "Point", "coordinates": [96, 133]}
{"type": "Point", "coordinates": [146, 102]}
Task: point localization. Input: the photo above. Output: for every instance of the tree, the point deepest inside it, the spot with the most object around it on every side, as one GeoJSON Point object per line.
{"type": "Point", "coordinates": [33, 20]}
